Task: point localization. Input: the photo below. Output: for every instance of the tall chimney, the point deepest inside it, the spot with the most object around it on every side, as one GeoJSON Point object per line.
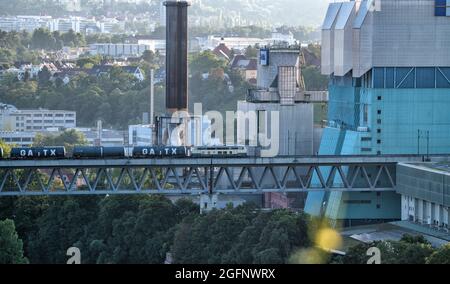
{"type": "Point", "coordinates": [152, 97]}
{"type": "Point", "coordinates": [176, 55]}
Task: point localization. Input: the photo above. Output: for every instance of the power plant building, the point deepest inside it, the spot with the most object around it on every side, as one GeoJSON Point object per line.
{"type": "Point", "coordinates": [389, 92]}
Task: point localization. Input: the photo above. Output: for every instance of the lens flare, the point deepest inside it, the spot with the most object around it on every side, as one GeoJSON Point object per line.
{"type": "Point", "coordinates": [328, 239]}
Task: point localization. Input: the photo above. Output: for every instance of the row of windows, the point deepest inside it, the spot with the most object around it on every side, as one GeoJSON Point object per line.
{"type": "Point", "coordinates": [49, 115]}
{"type": "Point", "coordinates": [408, 78]}
{"type": "Point", "coordinates": [368, 139]}
{"type": "Point", "coordinates": [17, 139]}
{"type": "Point", "coordinates": [51, 121]}
{"type": "Point", "coordinates": [357, 201]}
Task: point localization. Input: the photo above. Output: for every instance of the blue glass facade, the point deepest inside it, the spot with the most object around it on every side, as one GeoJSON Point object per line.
{"type": "Point", "coordinates": [382, 113]}
{"type": "Point", "coordinates": [442, 8]}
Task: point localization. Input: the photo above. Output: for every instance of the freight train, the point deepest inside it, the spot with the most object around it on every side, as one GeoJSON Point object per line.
{"type": "Point", "coordinates": [150, 152]}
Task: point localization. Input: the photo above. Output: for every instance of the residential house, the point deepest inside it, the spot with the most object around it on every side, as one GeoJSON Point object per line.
{"type": "Point", "coordinates": [99, 70]}
{"type": "Point", "coordinates": [247, 66]}
{"type": "Point", "coordinates": [222, 51]}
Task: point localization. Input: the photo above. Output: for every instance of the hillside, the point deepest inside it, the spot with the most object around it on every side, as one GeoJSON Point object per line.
{"type": "Point", "coordinates": [284, 12]}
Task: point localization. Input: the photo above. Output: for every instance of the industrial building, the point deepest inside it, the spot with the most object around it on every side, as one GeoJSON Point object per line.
{"type": "Point", "coordinates": [23, 139]}
{"type": "Point", "coordinates": [118, 50]}
{"type": "Point", "coordinates": [13, 119]}
{"type": "Point", "coordinates": [280, 89]}
{"type": "Point", "coordinates": [77, 24]}
{"type": "Point", "coordinates": [140, 135]}
{"type": "Point", "coordinates": [425, 194]}
{"type": "Point", "coordinates": [389, 68]}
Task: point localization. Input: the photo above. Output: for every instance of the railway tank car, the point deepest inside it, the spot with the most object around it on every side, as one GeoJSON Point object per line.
{"type": "Point", "coordinates": [160, 152]}
{"type": "Point", "coordinates": [38, 153]}
{"type": "Point", "coordinates": [220, 151]}
{"type": "Point", "coordinates": [83, 152]}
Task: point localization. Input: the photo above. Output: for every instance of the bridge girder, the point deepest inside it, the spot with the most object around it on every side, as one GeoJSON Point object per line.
{"type": "Point", "coordinates": [198, 176]}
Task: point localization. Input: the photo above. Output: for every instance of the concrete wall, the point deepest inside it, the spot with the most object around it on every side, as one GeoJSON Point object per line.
{"type": "Point", "coordinates": [343, 39]}
{"type": "Point", "coordinates": [277, 58]}
{"type": "Point", "coordinates": [425, 184]}
{"type": "Point", "coordinates": [401, 33]}
{"type": "Point", "coordinates": [296, 126]}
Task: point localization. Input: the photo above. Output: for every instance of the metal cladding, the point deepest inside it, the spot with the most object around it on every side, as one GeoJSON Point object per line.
{"type": "Point", "coordinates": [114, 152]}
{"type": "Point", "coordinates": [38, 153]}
{"type": "Point", "coordinates": [88, 152]}
{"type": "Point", "coordinates": [98, 152]}
{"type": "Point", "coordinates": [151, 152]}
{"type": "Point", "coordinates": [176, 55]}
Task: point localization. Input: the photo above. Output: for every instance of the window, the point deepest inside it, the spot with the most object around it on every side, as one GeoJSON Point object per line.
{"type": "Point", "coordinates": [357, 201]}
{"type": "Point", "coordinates": [37, 121]}
{"type": "Point", "coordinates": [366, 114]}
{"type": "Point", "coordinates": [70, 121]}
{"type": "Point", "coordinates": [59, 115]}
{"type": "Point", "coordinates": [379, 98]}
{"type": "Point", "coordinates": [379, 111]}
{"type": "Point", "coordinates": [38, 115]}
{"type": "Point", "coordinates": [379, 121]}
{"type": "Point", "coordinates": [378, 141]}
{"type": "Point", "coordinates": [48, 121]}
{"type": "Point", "coordinates": [378, 130]}
{"type": "Point", "coordinates": [442, 8]}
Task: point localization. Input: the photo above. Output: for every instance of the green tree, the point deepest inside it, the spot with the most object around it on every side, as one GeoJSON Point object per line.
{"type": "Point", "coordinates": [409, 250]}
{"type": "Point", "coordinates": [314, 80]}
{"type": "Point", "coordinates": [43, 39]}
{"type": "Point", "coordinates": [6, 148]}
{"type": "Point", "coordinates": [68, 138]}
{"type": "Point", "coordinates": [11, 247]}
{"type": "Point", "coordinates": [44, 76]}
{"type": "Point", "coordinates": [60, 227]}
{"type": "Point", "coordinates": [148, 56]}
{"type": "Point", "coordinates": [83, 62]}
{"type": "Point", "coordinates": [251, 52]}
{"type": "Point", "coordinates": [204, 62]}
{"type": "Point", "coordinates": [441, 256]}
{"type": "Point", "coordinates": [269, 256]}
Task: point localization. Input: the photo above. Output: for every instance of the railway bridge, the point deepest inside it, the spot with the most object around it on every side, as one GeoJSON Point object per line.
{"type": "Point", "coordinates": [187, 176]}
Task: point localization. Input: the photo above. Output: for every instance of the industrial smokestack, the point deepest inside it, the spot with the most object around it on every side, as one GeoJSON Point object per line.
{"type": "Point", "coordinates": [152, 97]}
{"type": "Point", "coordinates": [176, 55]}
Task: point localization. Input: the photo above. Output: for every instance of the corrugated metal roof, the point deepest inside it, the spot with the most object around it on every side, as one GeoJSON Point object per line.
{"type": "Point", "coordinates": [344, 15]}
{"type": "Point", "coordinates": [362, 13]}
{"type": "Point", "coordinates": [333, 10]}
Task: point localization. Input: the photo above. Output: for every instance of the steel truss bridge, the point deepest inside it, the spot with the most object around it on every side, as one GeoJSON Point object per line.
{"type": "Point", "coordinates": [200, 176]}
